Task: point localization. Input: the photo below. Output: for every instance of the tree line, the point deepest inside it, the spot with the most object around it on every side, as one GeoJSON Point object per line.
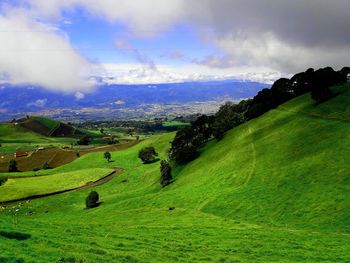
{"type": "Point", "coordinates": [188, 140]}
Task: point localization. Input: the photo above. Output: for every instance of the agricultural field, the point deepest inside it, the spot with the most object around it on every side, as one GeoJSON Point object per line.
{"type": "Point", "coordinates": [40, 149]}
{"type": "Point", "coordinates": [22, 188]}
{"type": "Point", "coordinates": [275, 189]}
{"type": "Point", "coordinates": [174, 124]}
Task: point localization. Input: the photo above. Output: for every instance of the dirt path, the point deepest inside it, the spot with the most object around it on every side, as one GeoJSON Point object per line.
{"type": "Point", "coordinates": [100, 181]}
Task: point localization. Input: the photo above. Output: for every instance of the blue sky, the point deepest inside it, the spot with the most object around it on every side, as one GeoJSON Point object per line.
{"type": "Point", "coordinates": [66, 45]}
{"type": "Point", "coordinates": [94, 38]}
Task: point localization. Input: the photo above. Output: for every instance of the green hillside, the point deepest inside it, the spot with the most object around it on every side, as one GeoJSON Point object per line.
{"type": "Point", "coordinates": [14, 137]}
{"type": "Point", "coordinates": [275, 189]}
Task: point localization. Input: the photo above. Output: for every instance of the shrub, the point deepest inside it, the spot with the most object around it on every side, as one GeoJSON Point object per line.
{"type": "Point", "coordinates": [107, 156]}
{"type": "Point", "coordinates": [165, 173]}
{"type": "Point", "coordinates": [84, 140]}
{"type": "Point", "coordinates": [148, 155]}
{"type": "Point", "coordinates": [91, 200]}
{"type": "Point", "coordinates": [12, 166]}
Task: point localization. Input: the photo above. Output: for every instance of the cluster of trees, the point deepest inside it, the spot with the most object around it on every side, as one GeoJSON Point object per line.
{"type": "Point", "coordinates": [85, 140]}
{"type": "Point", "coordinates": [148, 155]}
{"type": "Point", "coordinates": [188, 140]}
{"type": "Point", "coordinates": [129, 126]}
{"type": "Point", "coordinates": [317, 82]}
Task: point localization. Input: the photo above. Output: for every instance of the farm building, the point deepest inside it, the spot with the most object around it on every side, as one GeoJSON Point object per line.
{"type": "Point", "coordinates": [20, 154]}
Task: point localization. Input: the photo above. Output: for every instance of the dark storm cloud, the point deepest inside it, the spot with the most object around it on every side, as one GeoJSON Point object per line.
{"type": "Point", "coordinates": [306, 22]}
{"type": "Point", "coordinates": [284, 35]}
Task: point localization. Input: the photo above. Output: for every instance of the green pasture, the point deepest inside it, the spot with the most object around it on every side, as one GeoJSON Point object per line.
{"type": "Point", "coordinates": [276, 189]}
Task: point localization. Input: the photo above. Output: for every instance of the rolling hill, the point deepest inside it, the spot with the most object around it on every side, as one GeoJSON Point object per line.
{"type": "Point", "coordinates": [275, 189]}
{"type": "Point", "coordinates": [48, 127]}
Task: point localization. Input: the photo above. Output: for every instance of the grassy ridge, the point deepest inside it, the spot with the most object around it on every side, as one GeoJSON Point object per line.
{"type": "Point", "coordinates": [50, 124]}
{"type": "Point", "coordinates": [274, 189]}
{"type": "Point", "coordinates": [15, 138]}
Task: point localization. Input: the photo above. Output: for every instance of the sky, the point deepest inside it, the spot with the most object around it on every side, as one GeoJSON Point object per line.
{"type": "Point", "coordinates": [72, 46]}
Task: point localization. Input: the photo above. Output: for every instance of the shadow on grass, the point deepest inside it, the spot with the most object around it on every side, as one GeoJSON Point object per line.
{"type": "Point", "coordinates": [95, 206]}
{"type": "Point", "coordinates": [15, 235]}
{"type": "Point", "coordinates": [334, 94]}
{"type": "Point", "coordinates": [154, 161]}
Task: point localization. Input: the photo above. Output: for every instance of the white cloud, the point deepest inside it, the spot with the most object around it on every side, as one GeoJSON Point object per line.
{"type": "Point", "coordinates": [138, 74]}
{"type": "Point", "coordinates": [40, 103]}
{"type": "Point", "coordinates": [79, 95]}
{"type": "Point", "coordinates": [259, 39]}
{"type": "Point", "coordinates": [39, 54]}
{"type": "Point", "coordinates": [287, 36]}
{"type": "Point", "coordinates": [143, 17]}
{"type": "Point", "coordinates": [126, 47]}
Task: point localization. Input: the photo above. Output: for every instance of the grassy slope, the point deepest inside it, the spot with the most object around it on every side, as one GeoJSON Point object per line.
{"type": "Point", "coordinates": [274, 189]}
{"type": "Point", "coordinates": [47, 122]}
{"type": "Point", "coordinates": [13, 138]}
{"type": "Point", "coordinates": [26, 187]}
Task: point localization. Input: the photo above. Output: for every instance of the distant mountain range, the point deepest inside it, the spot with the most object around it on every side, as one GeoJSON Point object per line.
{"type": "Point", "coordinates": [17, 101]}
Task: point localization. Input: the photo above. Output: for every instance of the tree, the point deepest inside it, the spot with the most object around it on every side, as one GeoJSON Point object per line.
{"type": "Point", "coordinates": [107, 156]}
{"type": "Point", "coordinates": [12, 168]}
{"type": "Point", "coordinates": [85, 140]}
{"type": "Point", "coordinates": [323, 79]}
{"type": "Point", "coordinates": [182, 148]}
{"type": "Point", "coordinates": [91, 200]}
{"type": "Point", "coordinates": [148, 155]}
{"type": "Point", "coordinates": [165, 173]}
{"type": "Point", "coordinates": [3, 180]}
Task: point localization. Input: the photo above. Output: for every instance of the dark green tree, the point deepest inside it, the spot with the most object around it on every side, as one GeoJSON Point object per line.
{"type": "Point", "coordinates": [107, 156]}
{"type": "Point", "coordinates": [92, 199]}
{"type": "Point", "coordinates": [148, 155]}
{"type": "Point", "coordinates": [165, 173]}
{"type": "Point", "coordinates": [12, 168]}
{"type": "Point", "coordinates": [322, 81]}
{"type": "Point", "coordinates": [183, 148]}
{"type": "Point", "coordinates": [85, 140]}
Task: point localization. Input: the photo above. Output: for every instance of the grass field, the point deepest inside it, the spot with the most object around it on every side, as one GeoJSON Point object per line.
{"type": "Point", "coordinates": [174, 124]}
{"type": "Point", "coordinates": [18, 188]}
{"type": "Point", "coordinates": [14, 138]}
{"type": "Point", "coordinates": [276, 189]}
